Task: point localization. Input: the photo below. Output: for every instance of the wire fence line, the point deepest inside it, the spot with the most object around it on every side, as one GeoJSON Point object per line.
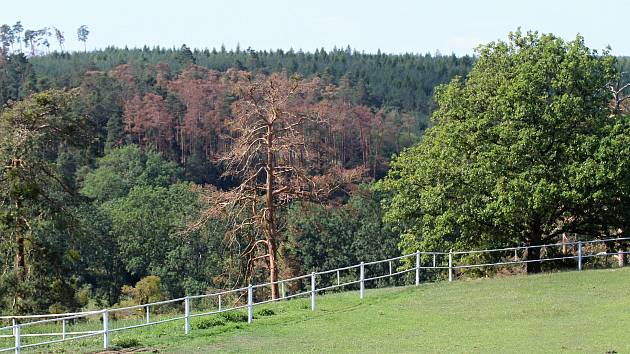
{"type": "Point", "coordinates": [21, 333]}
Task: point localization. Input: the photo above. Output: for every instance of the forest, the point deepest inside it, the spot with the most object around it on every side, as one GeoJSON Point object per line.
{"type": "Point", "coordinates": [111, 191]}
{"type": "Point", "coordinates": [187, 171]}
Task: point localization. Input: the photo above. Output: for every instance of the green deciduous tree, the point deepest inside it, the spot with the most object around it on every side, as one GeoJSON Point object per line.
{"type": "Point", "coordinates": [323, 237]}
{"type": "Point", "coordinates": [126, 167]}
{"type": "Point", "coordinates": [504, 163]}
{"type": "Point", "coordinates": [146, 225]}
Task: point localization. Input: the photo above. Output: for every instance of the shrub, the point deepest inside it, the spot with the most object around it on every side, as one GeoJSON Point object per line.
{"type": "Point", "coordinates": [210, 322]}
{"type": "Point", "coordinates": [265, 312]}
{"type": "Point", "coordinates": [148, 289]}
{"type": "Point", "coordinates": [127, 343]}
{"type": "Point", "coordinates": [234, 316]}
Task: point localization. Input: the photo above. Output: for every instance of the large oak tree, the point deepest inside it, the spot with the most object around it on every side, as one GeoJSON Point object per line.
{"type": "Point", "coordinates": [507, 161]}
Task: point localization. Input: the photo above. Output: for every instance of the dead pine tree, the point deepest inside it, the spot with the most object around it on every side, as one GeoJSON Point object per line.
{"type": "Point", "coordinates": [273, 158]}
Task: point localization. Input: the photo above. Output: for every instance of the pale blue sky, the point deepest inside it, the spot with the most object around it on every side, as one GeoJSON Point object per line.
{"type": "Point", "coordinates": [394, 26]}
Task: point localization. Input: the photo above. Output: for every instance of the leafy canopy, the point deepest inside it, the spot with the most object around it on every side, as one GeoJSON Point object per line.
{"type": "Point", "coordinates": [126, 167]}
{"type": "Point", "coordinates": [504, 162]}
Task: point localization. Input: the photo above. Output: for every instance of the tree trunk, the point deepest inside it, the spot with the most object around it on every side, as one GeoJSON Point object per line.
{"type": "Point", "coordinates": [273, 268]}
{"type": "Point", "coordinates": [20, 253]}
{"type": "Point", "coordinates": [20, 262]}
{"type": "Point", "coordinates": [533, 254]}
{"type": "Point", "coordinates": [270, 214]}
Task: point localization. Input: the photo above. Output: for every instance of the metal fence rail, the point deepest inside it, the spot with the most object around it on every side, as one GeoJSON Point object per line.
{"type": "Point", "coordinates": [316, 282]}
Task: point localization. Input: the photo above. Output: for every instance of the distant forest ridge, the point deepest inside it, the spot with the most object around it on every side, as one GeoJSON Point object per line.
{"type": "Point", "coordinates": [405, 81]}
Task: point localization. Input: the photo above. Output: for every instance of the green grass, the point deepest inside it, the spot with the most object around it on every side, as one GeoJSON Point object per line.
{"type": "Point", "coordinates": [570, 312]}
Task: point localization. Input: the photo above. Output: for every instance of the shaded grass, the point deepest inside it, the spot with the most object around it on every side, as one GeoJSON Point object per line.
{"type": "Point", "coordinates": [570, 312]}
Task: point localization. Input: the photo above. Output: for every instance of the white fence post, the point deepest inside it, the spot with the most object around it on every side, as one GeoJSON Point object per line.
{"type": "Point", "coordinates": [361, 280]}
{"type": "Point", "coordinates": [450, 265]}
{"type": "Point", "coordinates": [219, 302]}
{"type": "Point", "coordinates": [434, 260]}
{"type": "Point", "coordinates": [282, 293]}
{"type": "Point", "coordinates": [187, 315]}
{"type": "Point", "coordinates": [417, 268]}
{"type": "Point", "coordinates": [13, 323]}
{"type": "Point", "coordinates": [579, 256]}
{"type": "Point", "coordinates": [63, 329]}
{"type": "Point", "coordinates": [105, 329]}
{"type": "Point", "coordinates": [313, 291]}
{"type": "Point", "coordinates": [18, 339]}
{"type": "Point", "coordinates": [250, 304]}
{"type": "Point", "coordinates": [148, 314]}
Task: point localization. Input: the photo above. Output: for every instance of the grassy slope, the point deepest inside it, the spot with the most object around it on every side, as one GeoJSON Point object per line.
{"type": "Point", "coordinates": [564, 312]}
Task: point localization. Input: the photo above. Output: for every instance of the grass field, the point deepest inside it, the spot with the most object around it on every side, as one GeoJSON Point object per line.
{"type": "Point", "coordinates": [570, 312]}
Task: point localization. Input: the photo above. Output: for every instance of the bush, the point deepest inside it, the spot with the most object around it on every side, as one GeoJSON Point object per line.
{"type": "Point", "coordinates": [127, 343]}
{"type": "Point", "coordinates": [234, 316]}
{"type": "Point", "coordinates": [147, 290]}
{"type": "Point", "coordinates": [210, 322]}
{"type": "Point", "coordinates": [265, 312]}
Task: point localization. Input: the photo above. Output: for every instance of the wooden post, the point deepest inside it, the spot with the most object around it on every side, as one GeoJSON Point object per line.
{"type": "Point", "coordinates": [450, 265]}
{"type": "Point", "coordinates": [105, 329]}
{"type": "Point", "coordinates": [417, 268]}
{"type": "Point", "coordinates": [313, 291]}
{"type": "Point", "coordinates": [187, 315]}
{"type": "Point", "coordinates": [18, 339]}
{"type": "Point", "coordinates": [361, 280]}
{"type": "Point", "coordinates": [250, 304]}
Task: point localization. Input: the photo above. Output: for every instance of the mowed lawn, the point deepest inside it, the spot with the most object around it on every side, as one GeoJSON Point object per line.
{"type": "Point", "coordinates": [587, 312]}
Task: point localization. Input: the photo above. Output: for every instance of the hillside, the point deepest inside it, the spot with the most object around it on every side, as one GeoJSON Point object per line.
{"type": "Point", "coordinates": [549, 313]}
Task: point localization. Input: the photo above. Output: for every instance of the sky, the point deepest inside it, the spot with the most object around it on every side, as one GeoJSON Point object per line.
{"type": "Point", "coordinates": [393, 26]}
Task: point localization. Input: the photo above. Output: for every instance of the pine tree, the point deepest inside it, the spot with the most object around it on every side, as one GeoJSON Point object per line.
{"type": "Point", "coordinates": [115, 133]}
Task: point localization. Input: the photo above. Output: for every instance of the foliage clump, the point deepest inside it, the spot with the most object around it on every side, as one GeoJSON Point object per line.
{"type": "Point", "coordinates": [522, 151]}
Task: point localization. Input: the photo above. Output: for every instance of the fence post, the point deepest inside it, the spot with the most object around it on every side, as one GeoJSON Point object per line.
{"type": "Point", "coordinates": [282, 289]}
{"type": "Point", "coordinates": [63, 329]}
{"type": "Point", "coordinates": [450, 265]}
{"type": "Point", "coordinates": [105, 329]}
{"type": "Point", "coordinates": [13, 323]}
{"type": "Point", "coordinates": [219, 302]}
{"type": "Point", "coordinates": [313, 291]}
{"type": "Point", "coordinates": [187, 315]}
{"type": "Point", "coordinates": [18, 339]}
{"type": "Point", "coordinates": [417, 268]}
{"type": "Point", "coordinates": [338, 278]}
{"type": "Point", "coordinates": [250, 304]}
{"type": "Point", "coordinates": [361, 280]}
{"type": "Point", "coordinates": [434, 263]}
{"type": "Point", "coordinates": [579, 256]}
{"type": "Point", "coordinates": [148, 314]}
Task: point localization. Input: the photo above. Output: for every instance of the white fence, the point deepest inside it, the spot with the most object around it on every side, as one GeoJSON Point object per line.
{"type": "Point", "coordinates": [305, 285]}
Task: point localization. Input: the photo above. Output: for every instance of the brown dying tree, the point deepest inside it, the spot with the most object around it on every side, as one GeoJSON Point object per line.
{"type": "Point", "coordinates": [274, 161]}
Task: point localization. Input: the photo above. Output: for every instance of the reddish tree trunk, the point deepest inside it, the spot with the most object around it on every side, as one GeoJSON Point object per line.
{"type": "Point", "coordinates": [270, 216]}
